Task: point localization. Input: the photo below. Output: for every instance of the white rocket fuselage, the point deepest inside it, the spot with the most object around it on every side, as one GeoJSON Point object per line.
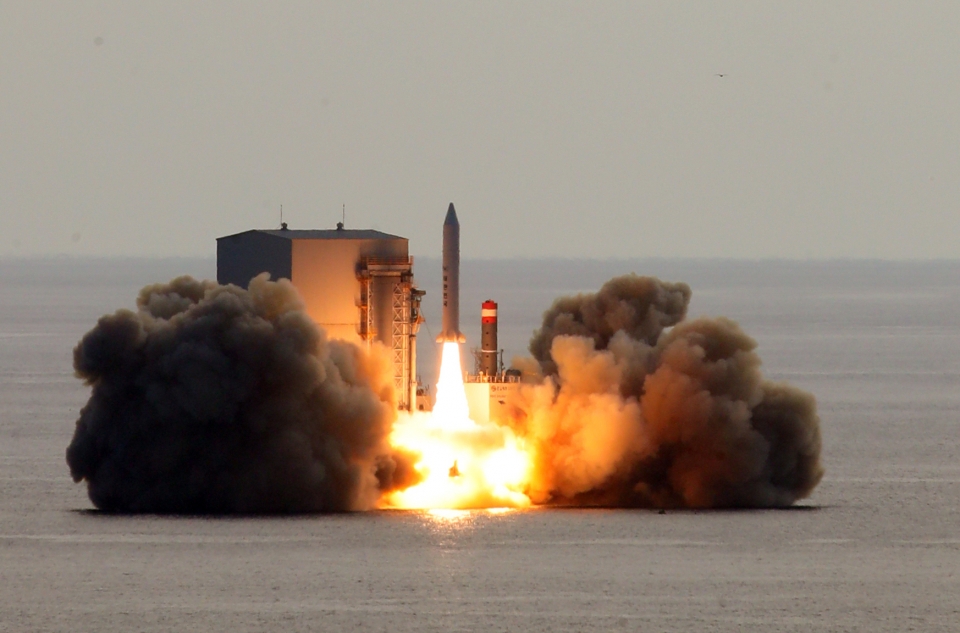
{"type": "Point", "coordinates": [450, 326]}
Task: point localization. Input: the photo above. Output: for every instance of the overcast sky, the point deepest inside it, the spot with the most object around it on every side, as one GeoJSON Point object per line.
{"type": "Point", "coordinates": [590, 129]}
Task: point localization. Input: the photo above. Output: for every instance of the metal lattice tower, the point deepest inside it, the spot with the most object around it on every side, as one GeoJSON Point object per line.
{"type": "Point", "coordinates": [402, 327]}
{"type": "Point", "coordinates": [368, 332]}
{"type": "Point", "coordinates": [375, 276]}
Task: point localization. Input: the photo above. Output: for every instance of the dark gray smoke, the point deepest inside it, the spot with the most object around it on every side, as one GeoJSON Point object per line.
{"type": "Point", "coordinates": [215, 399]}
{"type": "Point", "coordinates": [623, 412]}
{"type": "Point", "coordinates": [638, 306]}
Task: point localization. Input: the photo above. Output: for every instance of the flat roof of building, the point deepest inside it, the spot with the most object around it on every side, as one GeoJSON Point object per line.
{"type": "Point", "coordinates": [322, 234]}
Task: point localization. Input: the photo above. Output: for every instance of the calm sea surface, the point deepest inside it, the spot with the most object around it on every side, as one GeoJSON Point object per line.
{"type": "Point", "coordinates": [876, 548]}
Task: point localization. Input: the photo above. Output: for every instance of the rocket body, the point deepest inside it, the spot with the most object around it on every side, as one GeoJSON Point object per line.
{"type": "Point", "coordinates": [450, 326]}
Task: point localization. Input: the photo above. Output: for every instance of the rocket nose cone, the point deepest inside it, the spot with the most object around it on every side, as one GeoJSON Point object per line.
{"type": "Point", "coordinates": [451, 216]}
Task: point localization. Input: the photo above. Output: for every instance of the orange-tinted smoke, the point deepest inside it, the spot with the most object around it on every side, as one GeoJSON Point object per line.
{"type": "Point", "coordinates": [621, 411]}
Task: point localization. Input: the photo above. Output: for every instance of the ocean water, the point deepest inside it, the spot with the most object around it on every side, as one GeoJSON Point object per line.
{"type": "Point", "coordinates": [875, 548]}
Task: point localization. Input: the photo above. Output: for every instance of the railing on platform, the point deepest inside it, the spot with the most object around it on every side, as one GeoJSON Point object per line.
{"type": "Point", "coordinates": [502, 378]}
{"type": "Point", "coordinates": [387, 261]}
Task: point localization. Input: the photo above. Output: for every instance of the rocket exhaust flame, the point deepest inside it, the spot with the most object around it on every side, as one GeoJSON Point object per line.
{"type": "Point", "coordinates": [462, 464]}
{"type": "Point", "coordinates": [450, 411]}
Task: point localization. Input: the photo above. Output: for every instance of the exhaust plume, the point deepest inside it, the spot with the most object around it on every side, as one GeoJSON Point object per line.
{"type": "Point", "coordinates": [619, 411]}
{"type": "Point", "coordinates": [215, 399]}
{"type": "Point", "coordinates": [638, 306]}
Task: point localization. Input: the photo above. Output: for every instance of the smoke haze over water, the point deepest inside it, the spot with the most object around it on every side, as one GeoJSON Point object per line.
{"type": "Point", "coordinates": [622, 412]}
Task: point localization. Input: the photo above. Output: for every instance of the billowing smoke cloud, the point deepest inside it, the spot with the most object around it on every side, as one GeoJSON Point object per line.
{"type": "Point", "coordinates": [621, 411]}
{"type": "Point", "coordinates": [215, 399]}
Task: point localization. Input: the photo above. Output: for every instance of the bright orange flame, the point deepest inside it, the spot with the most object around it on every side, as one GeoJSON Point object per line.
{"type": "Point", "coordinates": [463, 464]}
{"type": "Point", "coordinates": [450, 411]}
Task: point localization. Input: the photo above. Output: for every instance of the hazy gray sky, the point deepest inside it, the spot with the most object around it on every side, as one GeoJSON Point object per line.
{"type": "Point", "coordinates": [590, 129]}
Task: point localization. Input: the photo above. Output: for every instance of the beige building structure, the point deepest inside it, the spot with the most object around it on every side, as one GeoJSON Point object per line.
{"type": "Point", "coordinates": [487, 397]}
{"type": "Point", "coordinates": [356, 284]}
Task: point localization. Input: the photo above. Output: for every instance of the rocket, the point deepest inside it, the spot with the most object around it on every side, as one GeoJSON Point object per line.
{"type": "Point", "coordinates": [451, 279]}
